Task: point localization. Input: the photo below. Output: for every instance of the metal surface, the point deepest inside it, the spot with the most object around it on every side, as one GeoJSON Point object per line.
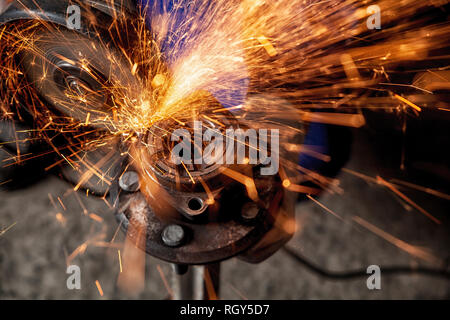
{"type": "Point", "coordinates": [198, 283]}
{"type": "Point", "coordinates": [129, 181]}
{"type": "Point", "coordinates": [173, 235]}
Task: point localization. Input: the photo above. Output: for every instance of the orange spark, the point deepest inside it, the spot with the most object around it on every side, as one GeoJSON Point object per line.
{"type": "Point", "coordinates": [213, 120]}
{"type": "Point", "coordinates": [88, 117]}
{"type": "Point", "coordinates": [190, 176]}
{"type": "Point", "coordinates": [340, 119]}
{"type": "Point", "coordinates": [133, 69]}
{"type": "Point", "coordinates": [412, 250]}
{"type": "Point", "coordinates": [248, 182]}
{"type": "Point", "coordinates": [166, 283]}
{"type": "Point", "coordinates": [120, 260]}
{"type": "Point", "coordinates": [267, 45]}
{"type": "Point", "coordinates": [349, 67]}
{"type": "Point", "coordinates": [61, 219]}
{"type": "Point", "coordinates": [408, 200]}
{"type": "Point", "coordinates": [99, 287]}
{"type": "Point", "coordinates": [409, 103]}
{"type": "Point", "coordinates": [302, 189]}
{"type": "Point", "coordinates": [228, 109]}
{"type": "Point", "coordinates": [131, 280]}
{"type": "Point", "coordinates": [61, 203]}
{"type": "Point", "coordinates": [158, 81]}
{"type": "Point", "coordinates": [79, 250]}
{"type": "Point", "coordinates": [209, 285]}
{"type": "Point", "coordinates": [5, 182]}
{"type": "Point", "coordinates": [2, 232]}
{"type": "Point", "coordinates": [423, 189]}
{"type": "Point", "coordinates": [95, 217]}
{"type": "Point", "coordinates": [286, 183]}
{"type": "Point", "coordinates": [324, 207]}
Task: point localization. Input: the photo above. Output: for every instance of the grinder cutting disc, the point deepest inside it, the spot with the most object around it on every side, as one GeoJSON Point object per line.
{"type": "Point", "coordinates": [74, 74]}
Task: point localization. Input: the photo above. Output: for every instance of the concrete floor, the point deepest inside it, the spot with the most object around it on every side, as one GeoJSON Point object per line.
{"type": "Point", "coordinates": [33, 251]}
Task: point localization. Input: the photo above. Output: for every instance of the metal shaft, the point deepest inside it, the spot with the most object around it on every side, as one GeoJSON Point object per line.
{"type": "Point", "coordinates": [198, 283]}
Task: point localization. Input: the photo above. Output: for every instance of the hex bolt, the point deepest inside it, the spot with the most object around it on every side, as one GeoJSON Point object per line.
{"type": "Point", "coordinates": [173, 235]}
{"type": "Point", "coordinates": [249, 211]}
{"type": "Point", "coordinates": [129, 181]}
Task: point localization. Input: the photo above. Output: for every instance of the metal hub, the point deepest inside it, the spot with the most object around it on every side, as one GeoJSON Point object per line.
{"type": "Point", "coordinates": [194, 230]}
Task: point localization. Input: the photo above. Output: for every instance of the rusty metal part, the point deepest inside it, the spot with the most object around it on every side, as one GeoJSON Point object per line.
{"type": "Point", "coordinates": [198, 283]}
{"type": "Point", "coordinates": [221, 233]}
{"type": "Point", "coordinates": [160, 146]}
{"type": "Point", "coordinates": [213, 223]}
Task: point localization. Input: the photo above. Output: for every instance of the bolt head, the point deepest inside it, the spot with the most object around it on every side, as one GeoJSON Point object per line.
{"type": "Point", "coordinates": [249, 211]}
{"type": "Point", "coordinates": [129, 181]}
{"type": "Point", "coordinates": [173, 235]}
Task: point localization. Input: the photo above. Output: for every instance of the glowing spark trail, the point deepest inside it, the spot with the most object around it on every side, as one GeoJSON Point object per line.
{"type": "Point", "coordinates": [99, 288]}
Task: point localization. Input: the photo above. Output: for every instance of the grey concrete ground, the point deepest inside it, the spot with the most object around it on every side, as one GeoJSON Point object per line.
{"type": "Point", "coordinates": [33, 251]}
